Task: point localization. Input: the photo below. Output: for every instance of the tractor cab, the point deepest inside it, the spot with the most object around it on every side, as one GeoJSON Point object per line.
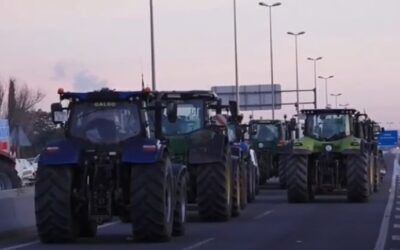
{"type": "Point", "coordinates": [328, 125]}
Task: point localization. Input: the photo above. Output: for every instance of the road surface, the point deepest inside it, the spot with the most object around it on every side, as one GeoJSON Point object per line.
{"type": "Point", "coordinates": [269, 223]}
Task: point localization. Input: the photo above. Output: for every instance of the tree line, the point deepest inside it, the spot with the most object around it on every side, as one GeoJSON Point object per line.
{"type": "Point", "coordinates": [18, 104]}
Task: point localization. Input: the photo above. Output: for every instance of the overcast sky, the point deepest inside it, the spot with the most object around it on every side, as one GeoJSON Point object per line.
{"type": "Point", "coordinates": [86, 44]}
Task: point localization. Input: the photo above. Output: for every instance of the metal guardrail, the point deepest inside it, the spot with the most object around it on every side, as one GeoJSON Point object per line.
{"type": "Point", "coordinates": [17, 209]}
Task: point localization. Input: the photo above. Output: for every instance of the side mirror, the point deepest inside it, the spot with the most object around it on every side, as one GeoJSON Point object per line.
{"type": "Point", "coordinates": [172, 112]}
{"type": "Point", "coordinates": [58, 113]}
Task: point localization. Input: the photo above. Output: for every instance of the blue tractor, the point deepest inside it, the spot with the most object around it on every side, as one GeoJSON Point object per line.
{"type": "Point", "coordinates": [113, 161]}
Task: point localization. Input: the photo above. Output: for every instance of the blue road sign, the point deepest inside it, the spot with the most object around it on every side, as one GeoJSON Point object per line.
{"type": "Point", "coordinates": [389, 138]}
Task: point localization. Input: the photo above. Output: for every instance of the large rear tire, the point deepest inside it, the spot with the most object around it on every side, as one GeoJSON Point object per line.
{"type": "Point", "coordinates": [298, 181]}
{"type": "Point", "coordinates": [9, 178]}
{"type": "Point", "coordinates": [53, 205]}
{"type": "Point", "coordinates": [151, 192]}
{"type": "Point", "coordinates": [243, 185]}
{"type": "Point", "coordinates": [281, 170]}
{"type": "Point", "coordinates": [358, 178]}
{"type": "Point", "coordinates": [251, 186]}
{"type": "Point", "coordinates": [214, 191]}
{"type": "Point", "coordinates": [236, 195]}
{"type": "Point", "coordinates": [180, 207]}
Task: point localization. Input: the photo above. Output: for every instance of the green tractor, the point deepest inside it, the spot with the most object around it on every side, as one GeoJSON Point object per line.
{"type": "Point", "coordinates": [199, 139]}
{"type": "Point", "coordinates": [271, 141]}
{"type": "Point", "coordinates": [337, 152]}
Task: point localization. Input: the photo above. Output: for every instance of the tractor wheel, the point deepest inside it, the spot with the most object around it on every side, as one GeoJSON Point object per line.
{"type": "Point", "coordinates": [152, 197]}
{"type": "Point", "coordinates": [214, 191]}
{"type": "Point", "coordinates": [298, 181]}
{"type": "Point", "coordinates": [9, 178]}
{"type": "Point", "coordinates": [243, 185]}
{"type": "Point", "coordinates": [236, 195]}
{"type": "Point", "coordinates": [358, 183]}
{"type": "Point", "coordinates": [180, 207]}
{"type": "Point", "coordinates": [281, 169]}
{"type": "Point", "coordinates": [377, 174]}
{"type": "Point", "coordinates": [54, 206]}
{"type": "Point", "coordinates": [257, 181]}
{"type": "Point", "coordinates": [251, 187]}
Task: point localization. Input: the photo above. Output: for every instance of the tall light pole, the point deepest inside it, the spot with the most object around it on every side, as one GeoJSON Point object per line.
{"type": "Point", "coordinates": [296, 35]}
{"type": "Point", "coordinates": [336, 98]}
{"type": "Point", "coordinates": [270, 6]}
{"type": "Point", "coordinates": [315, 60]}
{"type": "Point", "coordinates": [153, 59]}
{"type": "Point", "coordinates": [326, 88]}
{"type": "Point", "coordinates": [236, 54]}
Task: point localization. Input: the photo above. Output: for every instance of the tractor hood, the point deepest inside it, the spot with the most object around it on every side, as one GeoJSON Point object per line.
{"type": "Point", "coordinates": [307, 145]}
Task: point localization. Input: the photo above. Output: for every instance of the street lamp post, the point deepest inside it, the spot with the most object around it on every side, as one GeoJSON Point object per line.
{"type": "Point", "coordinates": [315, 60]}
{"type": "Point", "coordinates": [153, 60]}
{"type": "Point", "coordinates": [326, 88]}
{"type": "Point", "coordinates": [270, 6]}
{"type": "Point", "coordinates": [336, 98]}
{"type": "Point", "coordinates": [236, 55]}
{"type": "Point", "coordinates": [297, 69]}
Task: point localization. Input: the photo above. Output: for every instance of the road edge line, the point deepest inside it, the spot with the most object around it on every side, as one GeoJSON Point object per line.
{"type": "Point", "coordinates": [382, 237]}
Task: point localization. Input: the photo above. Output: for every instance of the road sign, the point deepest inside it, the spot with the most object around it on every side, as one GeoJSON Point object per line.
{"type": "Point", "coordinates": [388, 138]}
{"type": "Point", "coordinates": [4, 130]}
{"type": "Point", "coordinates": [252, 97]}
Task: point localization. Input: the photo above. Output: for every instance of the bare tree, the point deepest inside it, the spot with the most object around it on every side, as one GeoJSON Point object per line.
{"type": "Point", "coordinates": [21, 99]}
{"type": "Point", "coordinates": [26, 98]}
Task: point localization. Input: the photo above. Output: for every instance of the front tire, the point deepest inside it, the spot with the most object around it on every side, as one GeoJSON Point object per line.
{"type": "Point", "coordinates": [358, 183]}
{"type": "Point", "coordinates": [53, 205]}
{"type": "Point", "coordinates": [180, 207]}
{"type": "Point", "coordinates": [298, 181]}
{"type": "Point", "coordinates": [236, 195]}
{"type": "Point", "coordinates": [151, 192]}
{"type": "Point", "coordinates": [281, 170]}
{"type": "Point", "coordinates": [9, 178]}
{"type": "Point", "coordinates": [214, 192]}
{"type": "Point", "coordinates": [243, 185]}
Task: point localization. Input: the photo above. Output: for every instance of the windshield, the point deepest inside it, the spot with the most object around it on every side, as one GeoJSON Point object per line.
{"type": "Point", "coordinates": [266, 132]}
{"type": "Point", "coordinates": [328, 126]}
{"type": "Point", "coordinates": [104, 124]}
{"type": "Point", "coordinates": [190, 118]}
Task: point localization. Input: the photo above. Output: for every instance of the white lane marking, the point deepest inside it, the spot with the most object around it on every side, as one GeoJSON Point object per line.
{"type": "Point", "coordinates": [396, 225]}
{"type": "Point", "coordinates": [199, 244]}
{"type": "Point", "coordinates": [22, 245]}
{"type": "Point", "coordinates": [38, 242]}
{"type": "Point", "coordinates": [263, 214]}
{"type": "Point", "coordinates": [397, 208]}
{"type": "Point", "coordinates": [397, 217]}
{"type": "Point", "coordinates": [383, 231]}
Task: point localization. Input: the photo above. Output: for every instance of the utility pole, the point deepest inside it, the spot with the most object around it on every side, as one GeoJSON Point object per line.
{"type": "Point", "coordinates": [153, 59]}
{"type": "Point", "coordinates": [297, 69]}
{"type": "Point", "coordinates": [236, 55]}
{"type": "Point", "coordinates": [315, 60]}
{"type": "Point", "coordinates": [270, 6]}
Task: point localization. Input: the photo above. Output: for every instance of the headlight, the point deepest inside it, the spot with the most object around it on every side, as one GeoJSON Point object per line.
{"type": "Point", "coordinates": [328, 148]}
{"type": "Point", "coordinates": [260, 145]}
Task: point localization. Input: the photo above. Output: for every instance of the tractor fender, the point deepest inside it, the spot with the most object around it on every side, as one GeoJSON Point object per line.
{"type": "Point", "coordinates": [65, 152]}
{"type": "Point", "coordinates": [143, 151]}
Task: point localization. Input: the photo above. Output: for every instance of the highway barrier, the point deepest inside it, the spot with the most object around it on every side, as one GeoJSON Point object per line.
{"type": "Point", "coordinates": [17, 209]}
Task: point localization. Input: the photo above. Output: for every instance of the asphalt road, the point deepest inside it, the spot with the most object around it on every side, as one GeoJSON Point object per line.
{"type": "Point", "coordinates": [269, 223]}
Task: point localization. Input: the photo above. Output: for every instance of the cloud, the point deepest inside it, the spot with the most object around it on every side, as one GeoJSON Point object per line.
{"type": "Point", "coordinates": [84, 80]}
{"type": "Point", "coordinates": [80, 77]}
